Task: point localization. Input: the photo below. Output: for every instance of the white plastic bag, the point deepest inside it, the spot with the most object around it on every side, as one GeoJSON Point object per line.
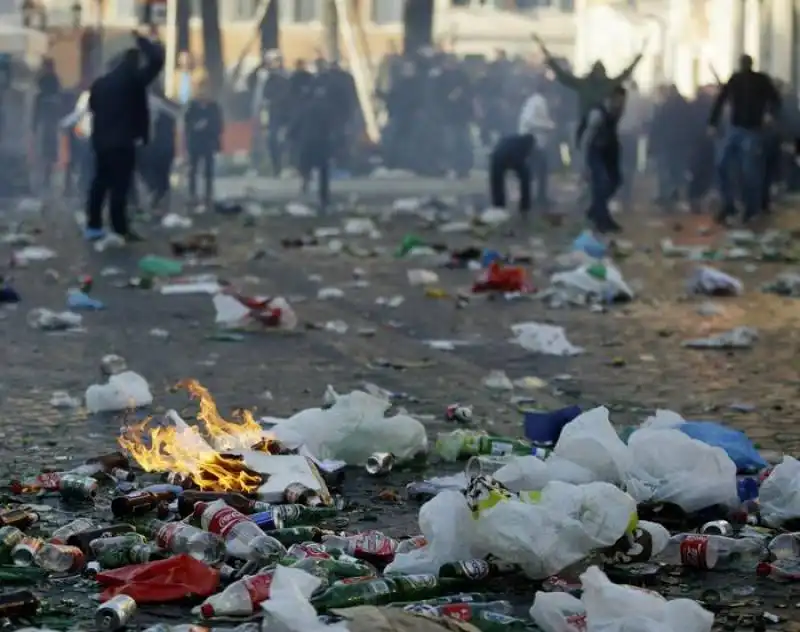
{"type": "Point", "coordinates": [779, 496]}
{"type": "Point", "coordinates": [582, 286]}
{"type": "Point", "coordinates": [445, 521]}
{"type": "Point", "coordinates": [616, 608]}
{"type": "Point", "coordinates": [681, 470]}
{"type": "Point", "coordinates": [353, 429]}
{"type": "Point", "coordinates": [123, 391]}
{"type": "Point", "coordinates": [707, 280]}
{"type": "Point", "coordinates": [558, 612]}
{"type": "Point", "coordinates": [567, 523]}
{"type": "Point", "coordinates": [288, 608]}
{"type": "Point", "coordinates": [590, 441]}
{"type": "Point", "coordinates": [546, 339]}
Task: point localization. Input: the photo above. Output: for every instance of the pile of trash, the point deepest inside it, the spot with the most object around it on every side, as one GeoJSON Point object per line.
{"type": "Point", "coordinates": [243, 521]}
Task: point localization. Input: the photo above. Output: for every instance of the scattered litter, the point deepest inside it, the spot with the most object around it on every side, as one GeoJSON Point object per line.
{"type": "Point", "coordinates": [545, 339]}
{"type": "Point", "coordinates": [711, 282]}
{"type": "Point", "coordinates": [737, 338]}
{"type": "Point", "coordinates": [123, 391]}
{"type": "Point", "coordinates": [62, 399]}
{"type": "Point", "coordinates": [48, 320]}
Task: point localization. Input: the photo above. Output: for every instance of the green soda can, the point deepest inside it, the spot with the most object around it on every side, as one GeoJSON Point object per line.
{"type": "Point", "coordinates": [115, 552]}
{"type": "Point", "coordinates": [75, 487]}
{"type": "Point", "coordinates": [9, 538]}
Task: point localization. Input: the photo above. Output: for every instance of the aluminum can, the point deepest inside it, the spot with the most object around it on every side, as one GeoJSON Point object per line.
{"type": "Point", "coordinates": [115, 614]}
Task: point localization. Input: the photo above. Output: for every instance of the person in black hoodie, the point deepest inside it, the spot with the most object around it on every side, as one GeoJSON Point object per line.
{"type": "Point", "coordinates": [47, 112]}
{"type": "Point", "coordinates": [120, 122]}
{"type": "Point", "coordinates": [204, 126]}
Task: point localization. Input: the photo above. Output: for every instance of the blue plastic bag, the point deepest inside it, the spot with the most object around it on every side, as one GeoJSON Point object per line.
{"type": "Point", "coordinates": [588, 243]}
{"type": "Point", "coordinates": [735, 443]}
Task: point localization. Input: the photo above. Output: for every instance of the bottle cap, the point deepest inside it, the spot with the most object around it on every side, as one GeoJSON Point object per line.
{"type": "Point", "coordinates": [207, 610]}
{"type": "Point", "coordinates": [763, 569]}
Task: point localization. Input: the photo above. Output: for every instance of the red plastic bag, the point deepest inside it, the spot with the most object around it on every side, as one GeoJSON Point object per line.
{"type": "Point", "coordinates": [499, 278]}
{"type": "Point", "coordinates": [173, 579]}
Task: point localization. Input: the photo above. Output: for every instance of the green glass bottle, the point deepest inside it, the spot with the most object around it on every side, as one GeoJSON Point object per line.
{"type": "Point", "coordinates": [115, 552]}
{"type": "Point", "coordinates": [301, 515]}
{"type": "Point", "coordinates": [474, 570]}
{"type": "Point", "coordinates": [298, 535]}
{"type": "Point", "coordinates": [465, 443]}
{"type": "Point", "coordinates": [381, 590]}
{"type": "Point", "coordinates": [337, 569]}
{"type": "Point", "coordinates": [470, 597]}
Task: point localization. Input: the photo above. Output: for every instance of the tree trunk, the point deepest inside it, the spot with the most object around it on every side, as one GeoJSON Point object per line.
{"type": "Point", "coordinates": [183, 12]}
{"type": "Point", "coordinates": [270, 32]}
{"type": "Point", "coordinates": [418, 25]}
{"type": "Point", "coordinates": [212, 44]}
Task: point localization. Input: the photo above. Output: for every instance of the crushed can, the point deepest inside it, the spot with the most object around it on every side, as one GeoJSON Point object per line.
{"type": "Point", "coordinates": [458, 413]}
{"type": "Point", "coordinates": [115, 614]}
{"type": "Point", "coordinates": [380, 463]}
{"type": "Point", "coordinates": [717, 527]}
{"type": "Point", "coordinates": [19, 518]}
{"type": "Point", "coordinates": [10, 537]}
{"type": "Point", "coordinates": [24, 553]}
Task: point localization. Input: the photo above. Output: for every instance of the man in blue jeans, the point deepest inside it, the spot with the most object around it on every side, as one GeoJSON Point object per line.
{"type": "Point", "coordinates": [599, 145]}
{"type": "Point", "coordinates": [754, 102]}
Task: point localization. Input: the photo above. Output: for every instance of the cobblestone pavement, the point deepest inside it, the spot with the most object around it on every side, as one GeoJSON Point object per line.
{"type": "Point", "coordinates": [634, 362]}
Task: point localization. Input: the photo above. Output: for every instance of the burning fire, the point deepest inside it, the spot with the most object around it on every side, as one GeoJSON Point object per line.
{"type": "Point", "coordinates": [199, 450]}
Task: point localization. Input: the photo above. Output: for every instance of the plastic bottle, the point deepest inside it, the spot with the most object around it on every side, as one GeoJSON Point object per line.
{"type": "Point", "coordinates": [243, 538]}
{"type": "Point", "coordinates": [62, 534]}
{"type": "Point", "coordinates": [356, 592]}
{"type": "Point", "coordinates": [59, 558]}
{"type": "Point", "coordinates": [712, 551]}
{"type": "Point", "coordinates": [465, 443]}
{"type": "Point", "coordinates": [465, 611]}
{"type": "Point", "coordinates": [782, 570]}
{"type": "Point", "coordinates": [242, 598]}
{"type": "Point", "coordinates": [179, 537]}
{"type": "Point", "coordinates": [371, 546]}
{"type": "Point", "coordinates": [785, 546]}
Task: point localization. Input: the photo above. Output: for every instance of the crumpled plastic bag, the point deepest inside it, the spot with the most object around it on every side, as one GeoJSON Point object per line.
{"type": "Point", "coordinates": [566, 524]}
{"type": "Point", "coordinates": [546, 339]}
{"type": "Point", "coordinates": [288, 608]}
{"type": "Point", "coordinates": [352, 429]}
{"type": "Point", "coordinates": [670, 463]}
{"type": "Point", "coordinates": [736, 338]}
{"type": "Point", "coordinates": [531, 473]}
{"type": "Point", "coordinates": [162, 581]}
{"type": "Point", "coordinates": [591, 442]}
{"type": "Point", "coordinates": [236, 312]}
{"type": "Point", "coordinates": [592, 282]}
{"type": "Point", "coordinates": [779, 496]}
{"type": "Point", "coordinates": [612, 607]}
{"type": "Point", "coordinates": [608, 607]}
{"type": "Point", "coordinates": [711, 282]}
{"type": "Point", "coordinates": [445, 521]}
{"type": "Point", "coordinates": [123, 391]}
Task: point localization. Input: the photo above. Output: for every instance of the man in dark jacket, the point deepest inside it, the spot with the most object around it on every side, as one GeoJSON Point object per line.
{"type": "Point", "coordinates": [120, 122]}
{"type": "Point", "coordinates": [204, 126]}
{"type": "Point", "coordinates": [314, 130]}
{"type": "Point", "coordinates": [754, 101]}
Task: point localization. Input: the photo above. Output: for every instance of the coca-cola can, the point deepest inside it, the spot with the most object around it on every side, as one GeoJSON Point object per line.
{"type": "Point", "coordinates": [380, 463]}
{"type": "Point", "coordinates": [458, 413]}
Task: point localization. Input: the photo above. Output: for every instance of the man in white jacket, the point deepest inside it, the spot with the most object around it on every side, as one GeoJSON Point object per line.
{"type": "Point", "coordinates": [535, 119]}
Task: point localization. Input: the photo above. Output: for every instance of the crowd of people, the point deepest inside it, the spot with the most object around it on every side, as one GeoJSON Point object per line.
{"type": "Point", "coordinates": [441, 113]}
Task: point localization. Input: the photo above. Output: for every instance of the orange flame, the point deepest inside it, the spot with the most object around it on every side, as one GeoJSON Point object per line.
{"type": "Point", "coordinates": [198, 450]}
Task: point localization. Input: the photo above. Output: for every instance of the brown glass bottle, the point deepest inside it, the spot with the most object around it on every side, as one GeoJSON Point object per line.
{"type": "Point", "coordinates": [21, 604]}
{"type": "Point", "coordinates": [19, 518]}
{"type": "Point", "coordinates": [111, 460]}
{"type": "Point", "coordinates": [83, 538]}
{"type": "Point", "coordinates": [139, 502]}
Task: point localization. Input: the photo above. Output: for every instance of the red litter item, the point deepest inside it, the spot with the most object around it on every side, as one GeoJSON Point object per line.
{"type": "Point", "coordinates": [500, 278]}
{"type": "Point", "coordinates": [162, 581]}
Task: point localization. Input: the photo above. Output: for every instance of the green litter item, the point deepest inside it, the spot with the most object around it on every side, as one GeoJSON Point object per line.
{"type": "Point", "coordinates": [154, 266]}
{"type": "Point", "coordinates": [598, 271]}
{"type": "Point", "coordinates": [408, 244]}
{"type": "Point", "coordinates": [21, 575]}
